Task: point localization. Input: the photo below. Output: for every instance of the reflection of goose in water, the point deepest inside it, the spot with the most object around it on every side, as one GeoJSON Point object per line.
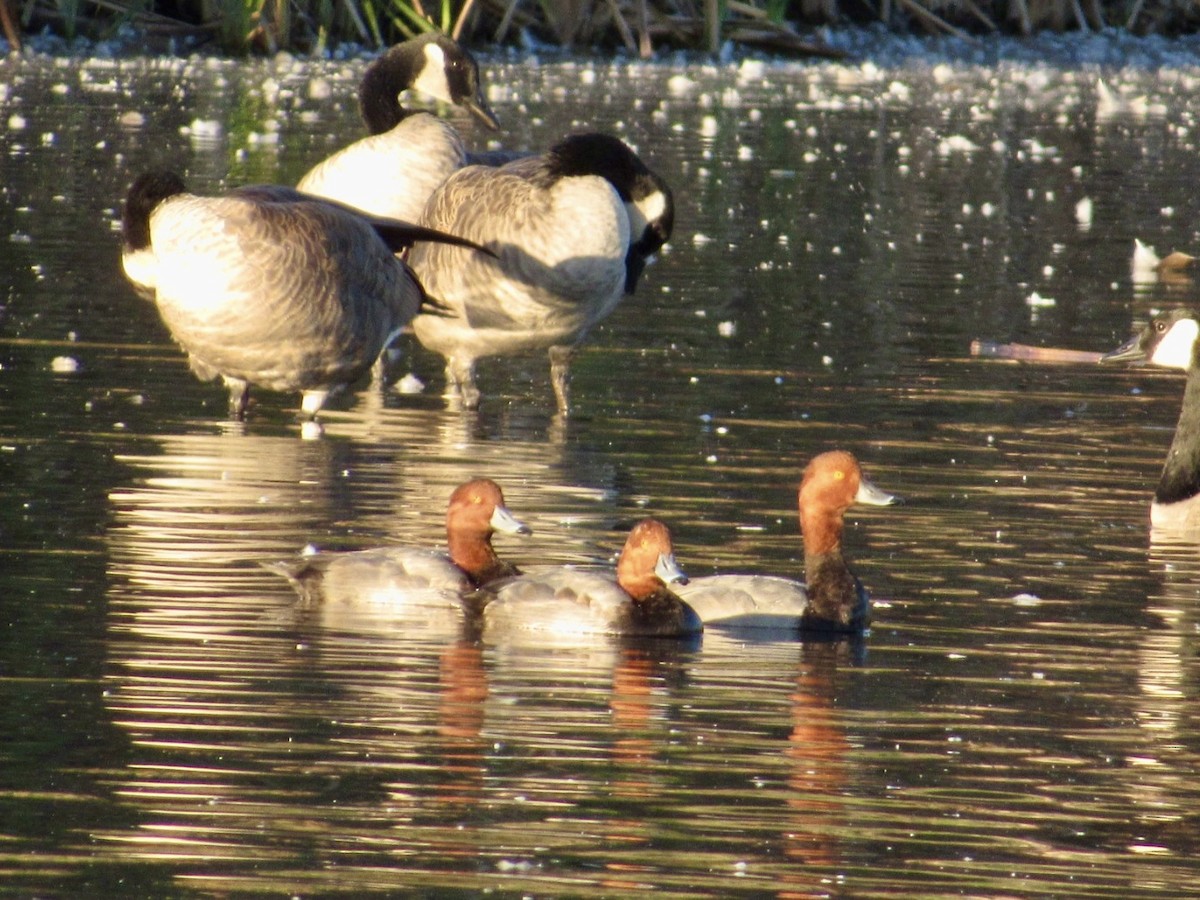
{"type": "Point", "coordinates": [568, 492]}
{"type": "Point", "coordinates": [200, 510]}
{"type": "Point", "coordinates": [1166, 704]}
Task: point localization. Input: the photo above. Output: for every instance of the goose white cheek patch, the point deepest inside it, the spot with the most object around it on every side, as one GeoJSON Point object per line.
{"type": "Point", "coordinates": [431, 80]}
{"type": "Point", "coordinates": [645, 211]}
{"type": "Point", "coordinates": [1177, 348]}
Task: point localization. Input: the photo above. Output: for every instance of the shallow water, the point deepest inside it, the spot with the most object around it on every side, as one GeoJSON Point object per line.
{"type": "Point", "coordinates": [1022, 718]}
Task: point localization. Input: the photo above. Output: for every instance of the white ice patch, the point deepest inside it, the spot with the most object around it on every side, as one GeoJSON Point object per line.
{"type": "Point", "coordinates": [64, 365]}
{"type": "Point", "coordinates": [1083, 212]}
{"type": "Point", "coordinates": [1144, 264]}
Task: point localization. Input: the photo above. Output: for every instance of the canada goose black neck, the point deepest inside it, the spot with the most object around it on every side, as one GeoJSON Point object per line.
{"type": "Point", "coordinates": [597, 154]}
{"type": "Point", "coordinates": [147, 191]}
{"type": "Point", "coordinates": [403, 67]}
{"type": "Point", "coordinates": [1181, 472]}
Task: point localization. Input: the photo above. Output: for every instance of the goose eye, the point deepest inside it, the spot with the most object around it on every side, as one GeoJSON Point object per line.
{"type": "Point", "coordinates": [1160, 326]}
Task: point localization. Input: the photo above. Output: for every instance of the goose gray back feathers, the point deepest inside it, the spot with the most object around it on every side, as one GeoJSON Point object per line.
{"type": "Point", "coordinates": [571, 230]}
{"type": "Point", "coordinates": [267, 286]}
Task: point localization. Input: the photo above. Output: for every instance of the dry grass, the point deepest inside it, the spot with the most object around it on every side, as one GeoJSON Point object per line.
{"type": "Point", "coordinates": [241, 26]}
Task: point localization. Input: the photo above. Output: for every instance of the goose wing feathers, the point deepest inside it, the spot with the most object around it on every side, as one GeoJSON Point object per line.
{"type": "Point", "coordinates": [276, 288]}
{"type": "Point", "coordinates": [560, 248]}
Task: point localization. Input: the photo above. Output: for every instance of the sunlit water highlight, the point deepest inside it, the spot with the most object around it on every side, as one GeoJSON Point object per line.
{"type": "Point", "coordinates": [1022, 719]}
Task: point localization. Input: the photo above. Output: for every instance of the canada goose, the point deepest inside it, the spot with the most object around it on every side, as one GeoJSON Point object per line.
{"type": "Point", "coordinates": [571, 231]}
{"type": "Point", "coordinates": [268, 286]}
{"type": "Point", "coordinates": [409, 152]}
{"type": "Point", "coordinates": [1172, 340]}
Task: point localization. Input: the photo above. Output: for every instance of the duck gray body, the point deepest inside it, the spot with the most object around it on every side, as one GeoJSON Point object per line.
{"type": "Point", "coordinates": [571, 231]}
{"type": "Point", "coordinates": [565, 602]}
{"type": "Point", "coordinates": [571, 601]}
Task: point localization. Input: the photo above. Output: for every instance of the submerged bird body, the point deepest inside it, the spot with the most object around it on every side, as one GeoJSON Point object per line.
{"type": "Point", "coordinates": [1172, 341]}
{"type": "Point", "coordinates": [832, 599]}
{"type": "Point", "coordinates": [393, 171]}
{"type": "Point", "coordinates": [268, 286]}
{"type": "Point", "coordinates": [571, 230]}
{"type": "Point", "coordinates": [568, 601]}
{"type": "Point", "coordinates": [399, 577]}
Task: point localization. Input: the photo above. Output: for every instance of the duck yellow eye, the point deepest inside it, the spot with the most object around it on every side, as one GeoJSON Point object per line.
{"type": "Point", "coordinates": [838, 475]}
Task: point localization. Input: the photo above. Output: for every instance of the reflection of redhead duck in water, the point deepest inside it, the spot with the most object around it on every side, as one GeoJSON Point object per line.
{"type": "Point", "coordinates": [402, 575]}
{"type": "Point", "coordinates": [833, 598]}
{"type": "Point", "coordinates": [567, 601]}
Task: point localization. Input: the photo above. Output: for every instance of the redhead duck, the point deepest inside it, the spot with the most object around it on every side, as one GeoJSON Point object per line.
{"type": "Point", "coordinates": [409, 152]}
{"type": "Point", "coordinates": [568, 601]}
{"type": "Point", "coordinates": [833, 598]}
{"type": "Point", "coordinates": [400, 576]}
{"type": "Point", "coordinates": [572, 230]}
{"type": "Point", "coordinates": [268, 286]}
{"type": "Point", "coordinates": [1170, 340]}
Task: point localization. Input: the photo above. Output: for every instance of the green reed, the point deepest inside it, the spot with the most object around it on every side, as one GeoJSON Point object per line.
{"type": "Point", "coordinates": [244, 26]}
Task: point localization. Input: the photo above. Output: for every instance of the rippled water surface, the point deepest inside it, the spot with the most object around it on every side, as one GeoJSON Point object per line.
{"type": "Point", "coordinates": [1022, 720]}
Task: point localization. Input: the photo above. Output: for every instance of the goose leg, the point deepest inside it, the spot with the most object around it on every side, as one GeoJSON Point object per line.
{"type": "Point", "coordinates": [460, 381]}
{"type": "Point", "coordinates": [381, 371]}
{"type": "Point", "coordinates": [560, 376]}
{"type": "Point", "coordinates": [239, 397]}
{"type": "Point", "coordinates": [312, 402]}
